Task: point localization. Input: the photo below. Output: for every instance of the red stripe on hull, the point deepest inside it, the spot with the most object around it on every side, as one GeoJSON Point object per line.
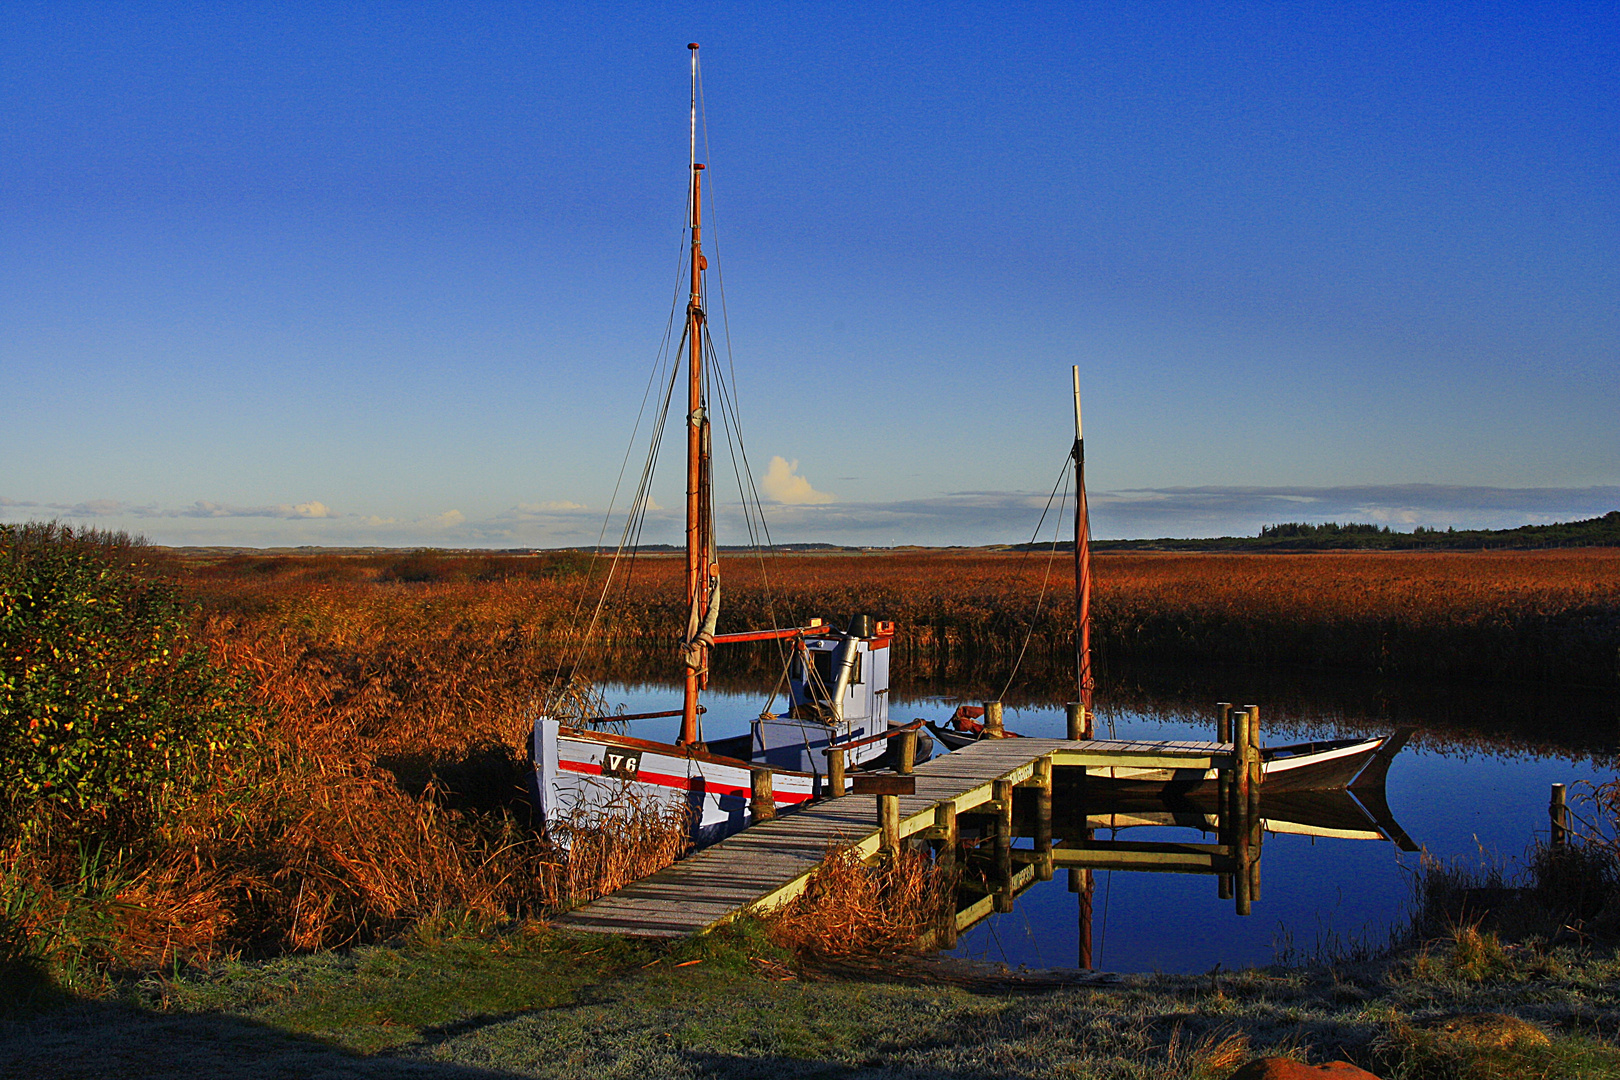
{"type": "Point", "coordinates": [683, 782]}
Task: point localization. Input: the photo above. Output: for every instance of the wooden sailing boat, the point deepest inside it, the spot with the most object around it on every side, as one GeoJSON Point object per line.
{"type": "Point", "coordinates": [1313, 766]}
{"type": "Point", "coordinates": [837, 681]}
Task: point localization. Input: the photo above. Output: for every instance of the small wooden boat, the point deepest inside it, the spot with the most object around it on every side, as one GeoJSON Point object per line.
{"type": "Point", "coordinates": [837, 681]}
{"type": "Point", "coordinates": [1323, 765]}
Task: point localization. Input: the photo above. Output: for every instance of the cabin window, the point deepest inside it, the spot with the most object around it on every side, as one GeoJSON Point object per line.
{"type": "Point", "coordinates": [824, 669]}
{"type": "Point", "coordinates": [826, 662]}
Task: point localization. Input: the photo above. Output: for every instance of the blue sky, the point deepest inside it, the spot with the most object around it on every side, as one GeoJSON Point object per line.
{"type": "Point", "coordinates": [396, 274]}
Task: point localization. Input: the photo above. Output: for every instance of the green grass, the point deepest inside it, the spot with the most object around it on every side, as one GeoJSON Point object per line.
{"type": "Point", "coordinates": [537, 1003]}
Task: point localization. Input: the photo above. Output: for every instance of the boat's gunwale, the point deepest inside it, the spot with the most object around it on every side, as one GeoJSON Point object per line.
{"type": "Point", "coordinates": [673, 750]}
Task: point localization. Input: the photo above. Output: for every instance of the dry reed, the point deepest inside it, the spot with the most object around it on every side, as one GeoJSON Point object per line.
{"type": "Point", "coordinates": [852, 909]}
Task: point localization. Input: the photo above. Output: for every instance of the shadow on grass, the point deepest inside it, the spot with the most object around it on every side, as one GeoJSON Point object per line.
{"type": "Point", "coordinates": [83, 1040]}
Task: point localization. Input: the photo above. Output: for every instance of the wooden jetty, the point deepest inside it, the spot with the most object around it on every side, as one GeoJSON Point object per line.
{"type": "Point", "coordinates": [770, 863]}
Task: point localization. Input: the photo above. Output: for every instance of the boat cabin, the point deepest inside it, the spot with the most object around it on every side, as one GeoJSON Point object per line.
{"type": "Point", "coordinates": [838, 690]}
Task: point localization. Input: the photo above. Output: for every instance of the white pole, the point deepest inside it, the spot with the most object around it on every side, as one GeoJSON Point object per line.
{"type": "Point", "coordinates": [1077, 402]}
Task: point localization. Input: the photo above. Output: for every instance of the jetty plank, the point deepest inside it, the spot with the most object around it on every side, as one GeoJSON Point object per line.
{"type": "Point", "coordinates": [770, 863]}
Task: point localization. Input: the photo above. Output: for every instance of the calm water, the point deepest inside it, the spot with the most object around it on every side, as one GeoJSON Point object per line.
{"type": "Point", "coordinates": [1472, 784]}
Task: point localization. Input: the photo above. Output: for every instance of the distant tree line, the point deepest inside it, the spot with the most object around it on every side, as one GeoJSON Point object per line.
{"type": "Point", "coordinates": [1301, 536]}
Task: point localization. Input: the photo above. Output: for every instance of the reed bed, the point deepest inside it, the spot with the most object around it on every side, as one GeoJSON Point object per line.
{"type": "Point", "coordinates": [852, 909]}
{"type": "Point", "coordinates": [1493, 616]}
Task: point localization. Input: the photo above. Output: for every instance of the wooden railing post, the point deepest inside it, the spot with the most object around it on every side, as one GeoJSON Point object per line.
{"type": "Point", "coordinates": [1076, 715]}
{"type": "Point", "coordinates": [908, 752]}
{"type": "Point", "coordinates": [835, 771]}
{"type": "Point", "coordinates": [762, 794]}
{"type": "Point", "coordinates": [992, 720]}
{"type": "Point", "coordinates": [1559, 813]}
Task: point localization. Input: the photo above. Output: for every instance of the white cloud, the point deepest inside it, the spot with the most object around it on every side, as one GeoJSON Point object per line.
{"type": "Point", "coordinates": [202, 508]}
{"type": "Point", "coordinates": [447, 520]}
{"type": "Point", "coordinates": [549, 506]}
{"type": "Point", "coordinates": [783, 483]}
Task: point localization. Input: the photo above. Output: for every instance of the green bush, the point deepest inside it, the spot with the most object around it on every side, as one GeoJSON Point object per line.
{"type": "Point", "coordinates": [106, 704]}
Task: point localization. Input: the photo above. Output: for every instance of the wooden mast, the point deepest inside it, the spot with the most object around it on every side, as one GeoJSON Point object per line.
{"type": "Point", "coordinates": [1082, 572]}
{"type": "Point", "coordinates": [698, 563]}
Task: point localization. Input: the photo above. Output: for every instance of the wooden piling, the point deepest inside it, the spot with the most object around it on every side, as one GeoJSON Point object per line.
{"type": "Point", "coordinates": [1242, 808]}
{"type": "Point", "coordinates": [908, 752]}
{"type": "Point", "coordinates": [1253, 712]}
{"type": "Point", "coordinates": [948, 836]}
{"type": "Point", "coordinates": [1043, 818]}
{"type": "Point", "coordinates": [1223, 722]}
{"type": "Point", "coordinates": [889, 822]}
{"type": "Point", "coordinates": [835, 771]}
{"type": "Point", "coordinates": [1558, 810]}
{"type": "Point", "coordinates": [1240, 758]}
{"type": "Point", "coordinates": [762, 794]}
{"type": "Point", "coordinates": [1256, 833]}
{"type": "Point", "coordinates": [1078, 727]}
{"type": "Point", "coordinates": [949, 842]}
{"type": "Point", "coordinates": [993, 727]}
{"type": "Point", "coordinates": [1002, 792]}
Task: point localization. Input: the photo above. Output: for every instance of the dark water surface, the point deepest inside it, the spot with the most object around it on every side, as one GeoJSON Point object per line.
{"type": "Point", "coordinates": [1473, 784]}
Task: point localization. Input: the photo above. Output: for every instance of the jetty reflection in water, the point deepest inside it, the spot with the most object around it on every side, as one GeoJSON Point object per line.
{"type": "Point", "coordinates": [1474, 779]}
{"type": "Point", "coordinates": [1218, 839]}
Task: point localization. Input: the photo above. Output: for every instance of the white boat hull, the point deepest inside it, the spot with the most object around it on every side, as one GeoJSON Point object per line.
{"type": "Point", "coordinates": [595, 777]}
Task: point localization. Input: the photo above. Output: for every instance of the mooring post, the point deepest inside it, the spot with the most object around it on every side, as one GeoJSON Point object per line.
{"type": "Point", "coordinates": [762, 794]}
{"type": "Point", "coordinates": [1253, 713]}
{"type": "Point", "coordinates": [1256, 833]}
{"type": "Point", "coordinates": [1223, 722]}
{"type": "Point", "coordinates": [1076, 714]}
{"type": "Point", "coordinates": [908, 752]}
{"type": "Point", "coordinates": [1559, 812]}
{"type": "Point", "coordinates": [1043, 818]}
{"type": "Point", "coordinates": [889, 822]}
{"type": "Point", "coordinates": [835, 771]}
{"type": "Point", "coordinates": [1002, 792]}
{"type": "Point", "coordinates": [1242, 808]}
{"type": "Point", "coordinates": [1240, 758]}
{"type": "Point", "coordinates": [992, 720]}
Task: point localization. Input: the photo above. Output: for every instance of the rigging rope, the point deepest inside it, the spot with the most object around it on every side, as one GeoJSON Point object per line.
{"type": "Point", "coordinates": [1063, 479]}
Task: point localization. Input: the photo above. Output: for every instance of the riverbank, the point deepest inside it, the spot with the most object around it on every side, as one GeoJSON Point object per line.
{"type": "Point", "coordinates": [531, 1002]}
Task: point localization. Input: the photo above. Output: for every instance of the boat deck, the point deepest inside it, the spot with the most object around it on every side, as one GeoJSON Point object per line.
{"type": "Point", "coordinates": [768, 864]}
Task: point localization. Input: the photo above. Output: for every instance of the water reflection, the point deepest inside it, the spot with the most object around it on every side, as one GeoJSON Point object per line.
{"type": "Point", "coordinates": [1062, 833]}
{"type": "Point", "coordinates": [1472, 784]}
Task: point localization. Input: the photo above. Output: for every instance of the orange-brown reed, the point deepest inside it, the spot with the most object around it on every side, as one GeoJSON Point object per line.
{"type": "Point", "coordinates": [852, 909]}
{"type": "Point", "coordinates": [383, 784]}
{"type": "Point", "coordinates": [1542, 615]}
